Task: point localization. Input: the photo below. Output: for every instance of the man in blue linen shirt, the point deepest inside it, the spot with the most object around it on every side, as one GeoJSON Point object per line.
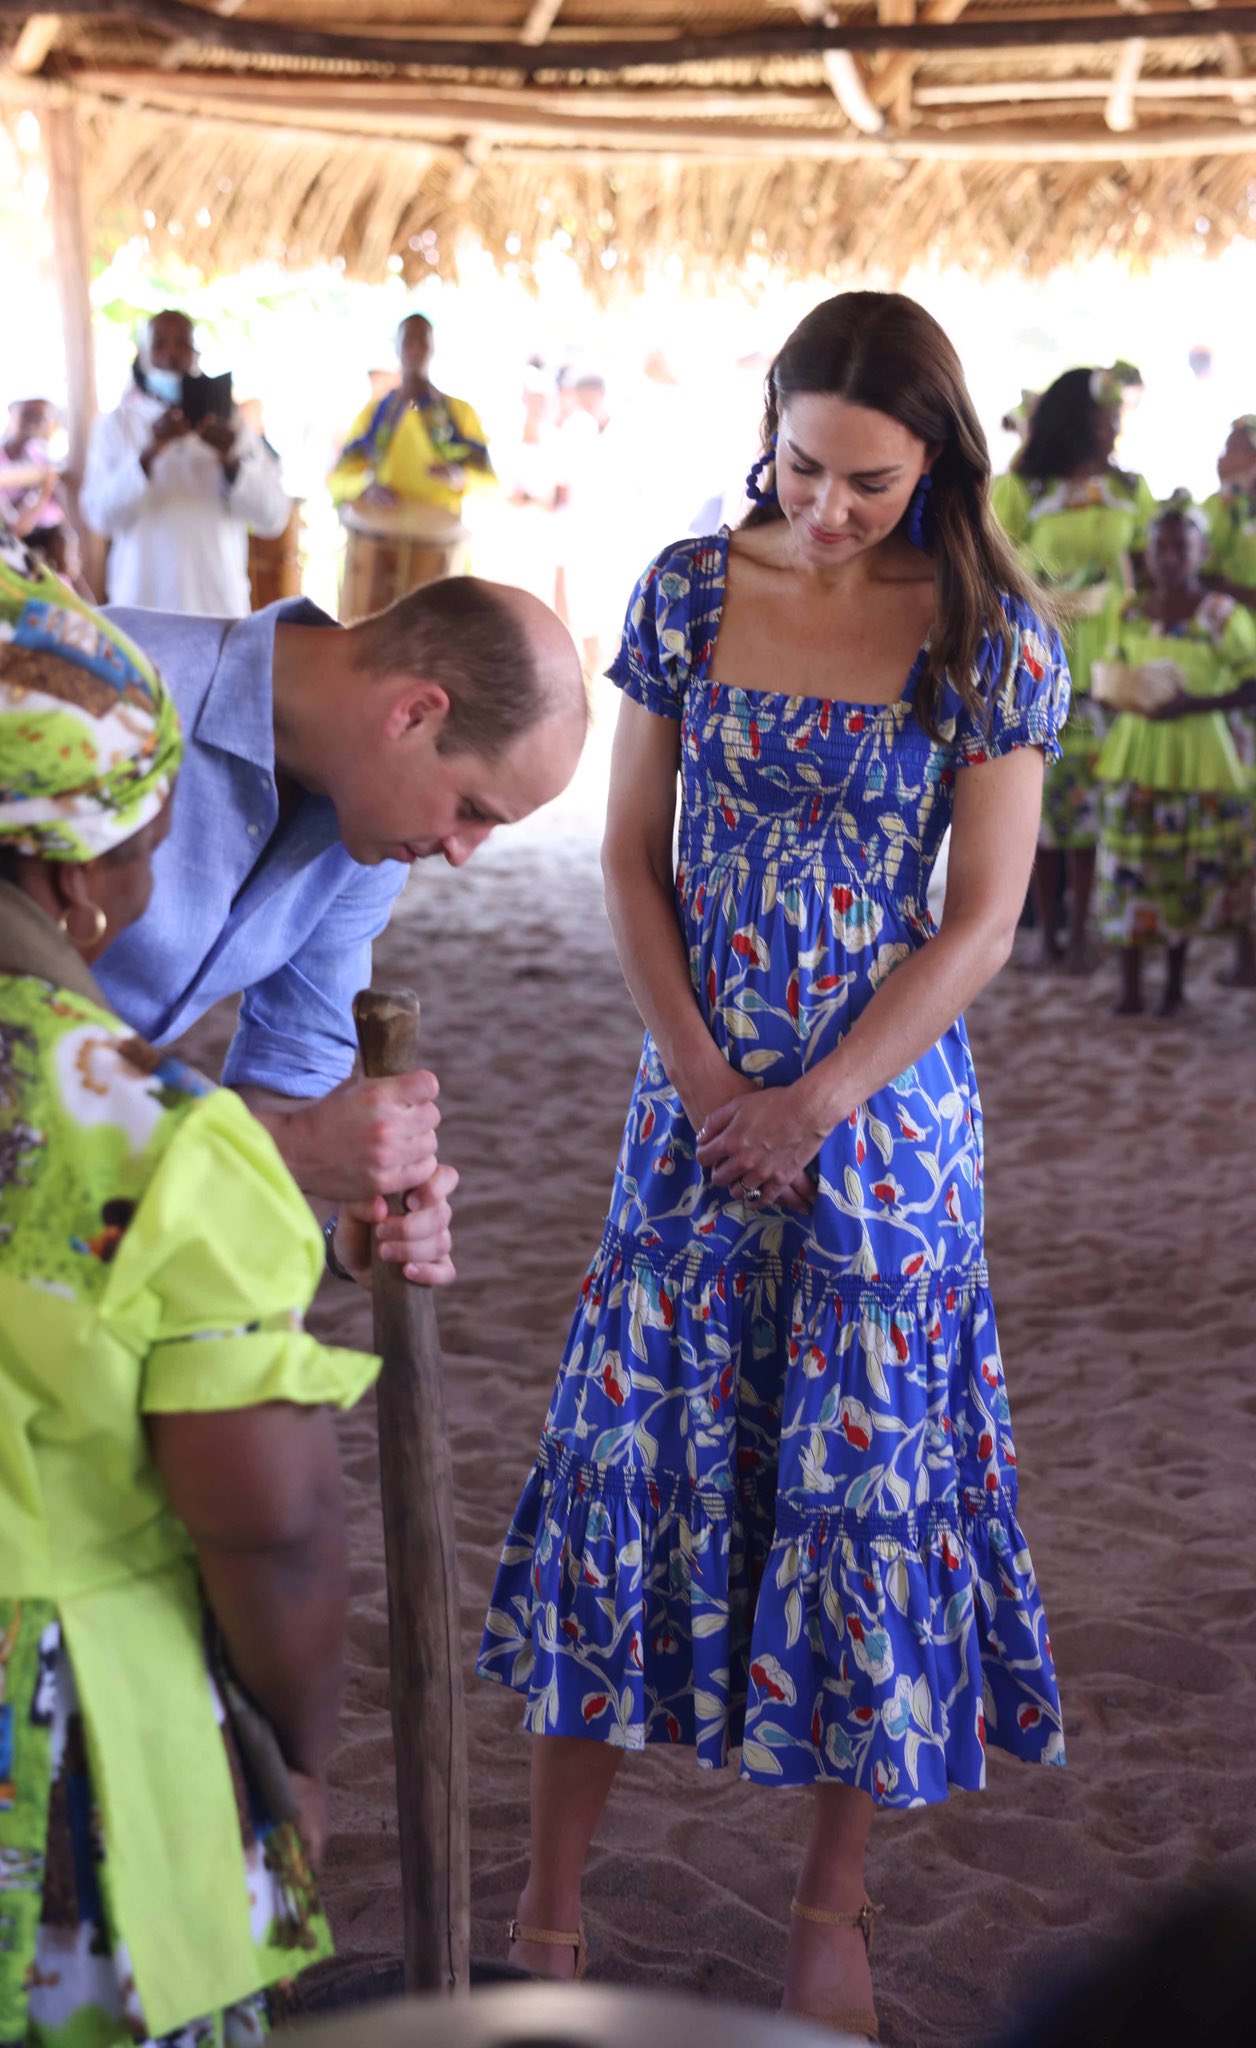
{"type": "Point", "coordinates": [320, 760]}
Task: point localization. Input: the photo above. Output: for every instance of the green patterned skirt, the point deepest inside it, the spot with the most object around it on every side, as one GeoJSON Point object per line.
{"type": "Point", "coordinates": [1070, 792]}
{"type": "Point", "coordinates": [1173, 865]}
{"type": "Point", "coordinates": [65, 1977]}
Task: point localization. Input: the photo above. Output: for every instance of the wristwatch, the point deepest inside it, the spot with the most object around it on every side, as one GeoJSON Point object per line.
{"type": "Point", "coordinates": [334, 1267]}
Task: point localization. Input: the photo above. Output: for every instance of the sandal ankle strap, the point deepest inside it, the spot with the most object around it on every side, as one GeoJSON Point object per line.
{"type": "Point", "coordinates": [549, 1937]}
{"type": "Point", "coordinates": [860, 2021]}
{"type": "Point", "coordinates": [864, 1919]}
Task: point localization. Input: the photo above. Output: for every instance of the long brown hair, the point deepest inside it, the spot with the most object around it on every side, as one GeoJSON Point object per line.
{"type": "Point", "coordinates": [883, 351]}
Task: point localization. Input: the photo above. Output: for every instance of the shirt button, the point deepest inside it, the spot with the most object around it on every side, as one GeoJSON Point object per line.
{"type": "Point", "coordinates": [253, 831]}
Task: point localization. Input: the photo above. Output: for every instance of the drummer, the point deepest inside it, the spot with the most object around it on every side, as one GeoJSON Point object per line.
{"type": "Point", "coordinates": [415, 445]}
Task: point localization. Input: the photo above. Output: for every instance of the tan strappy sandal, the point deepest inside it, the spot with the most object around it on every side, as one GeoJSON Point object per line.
{"type": "Point", "coordinates": [550, 1939]}
{"type": "Point", "coordinates": [857, 2020]}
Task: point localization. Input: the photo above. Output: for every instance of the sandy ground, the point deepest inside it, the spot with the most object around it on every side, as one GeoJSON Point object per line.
{"type": "Point", "coordinates": [1121, 1210]}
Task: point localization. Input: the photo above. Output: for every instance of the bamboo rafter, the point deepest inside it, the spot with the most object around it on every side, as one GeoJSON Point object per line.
{"type": "Point", "coordinates": [612, 53]}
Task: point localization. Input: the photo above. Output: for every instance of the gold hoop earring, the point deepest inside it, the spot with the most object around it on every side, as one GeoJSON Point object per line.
{"type": "Point", "coordinates": [100, 925]}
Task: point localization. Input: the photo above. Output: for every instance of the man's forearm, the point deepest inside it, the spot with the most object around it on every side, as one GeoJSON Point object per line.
{"type": "Point", "coordinates": [281, 1116]}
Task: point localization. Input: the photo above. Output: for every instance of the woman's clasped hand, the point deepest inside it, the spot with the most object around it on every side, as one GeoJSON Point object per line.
{"type": "Point", "coordinates": [761, 1144]}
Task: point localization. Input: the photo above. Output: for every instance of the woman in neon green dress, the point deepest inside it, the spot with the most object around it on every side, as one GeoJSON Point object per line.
{"type": "Point", "coordinates": [1231, 515]}
{"type": "Point", "coordinates": [1076, 520]}
{"type": "Point", "coordinates": [172, 1552]}
{"type": "Point", "coordinates": [1175, 849]}
{"type": "Point", "coordinates": [1231, 567]}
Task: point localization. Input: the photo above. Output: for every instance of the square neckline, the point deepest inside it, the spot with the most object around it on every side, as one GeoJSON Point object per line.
{"type": "Point", "coordinates": [723, 536]}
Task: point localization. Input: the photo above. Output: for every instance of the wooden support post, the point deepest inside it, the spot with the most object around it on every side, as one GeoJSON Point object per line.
{"type": "Point", "coordinates": [71, 259]}
{"type": "Point", "coordinates": [420, 1556]}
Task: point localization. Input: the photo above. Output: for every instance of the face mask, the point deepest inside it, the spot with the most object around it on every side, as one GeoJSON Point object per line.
{"type": "Point", "coordinates": [167, 385]}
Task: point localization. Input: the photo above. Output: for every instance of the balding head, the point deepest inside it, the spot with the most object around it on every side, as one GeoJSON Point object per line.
{"type": "Point", "coordinates": [505, 660]}
{"type": "Point", "coordinates": [553, 651]}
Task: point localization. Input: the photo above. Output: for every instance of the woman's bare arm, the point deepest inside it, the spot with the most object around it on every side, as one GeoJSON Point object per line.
{"type": "Point", "coordinates": [638, 869]}
{"type": "Point", "coordinates": [260, 1492]}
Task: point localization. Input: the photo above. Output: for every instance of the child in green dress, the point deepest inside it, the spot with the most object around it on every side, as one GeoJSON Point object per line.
{"type": "Point", "coordinates": [1175, 847]}
{"type": "Point", "coordinates": [1076, 520]}
{"type": "Point", "coordinates": [172, 1549]}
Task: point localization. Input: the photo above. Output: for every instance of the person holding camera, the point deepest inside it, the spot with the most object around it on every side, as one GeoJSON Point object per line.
{"type": "Point", "coordinates": [175, 481]}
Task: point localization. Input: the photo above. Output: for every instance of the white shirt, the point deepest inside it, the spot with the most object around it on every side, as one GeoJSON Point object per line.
{"type": "Point", "coordinates": [178, 538]}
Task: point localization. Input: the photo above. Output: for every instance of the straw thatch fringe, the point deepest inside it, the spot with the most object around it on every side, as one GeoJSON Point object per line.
{"type": "Point", "coordinates": [224, 194]}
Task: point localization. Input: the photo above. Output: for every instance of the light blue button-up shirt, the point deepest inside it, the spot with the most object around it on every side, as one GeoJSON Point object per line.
{"type": "Point", "coordinates": [241, 902]}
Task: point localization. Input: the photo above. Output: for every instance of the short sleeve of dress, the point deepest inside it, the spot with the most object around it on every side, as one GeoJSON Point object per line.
{"type": "Point", "coordinates": [1028, 704]}
{"type": "Point", "coordinates": [665, 628]}
{"type": "Point", "coordinates": [216, 1270]}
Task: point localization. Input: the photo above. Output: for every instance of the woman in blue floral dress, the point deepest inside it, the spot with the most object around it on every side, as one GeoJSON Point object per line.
{"type": "Point", "coordinates": [774, 1508]}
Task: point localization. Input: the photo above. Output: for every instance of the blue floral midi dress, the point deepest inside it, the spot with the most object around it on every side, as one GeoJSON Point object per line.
{"type": "Point", "coordinates": [774, 1506]}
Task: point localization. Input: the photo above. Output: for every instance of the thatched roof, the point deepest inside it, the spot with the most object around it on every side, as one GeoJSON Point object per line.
{"type": "Point", "coordinates": [728, 135]}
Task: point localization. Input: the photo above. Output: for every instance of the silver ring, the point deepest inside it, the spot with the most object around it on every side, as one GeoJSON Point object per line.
{"type": "Point", "coordinates": [749, 1194]}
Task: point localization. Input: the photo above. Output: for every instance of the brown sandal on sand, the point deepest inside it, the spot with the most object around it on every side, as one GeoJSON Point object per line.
{"type": "Point", "coordinates": [548, 1937]}
{"type": "Point", "coordinates": [859, 2020]}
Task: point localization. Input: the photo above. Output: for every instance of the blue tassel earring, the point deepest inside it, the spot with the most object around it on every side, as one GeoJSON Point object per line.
{"type": "Point", "coordinates": [916, 510]}
{"type": "Point", "coordinates": [754, 492]}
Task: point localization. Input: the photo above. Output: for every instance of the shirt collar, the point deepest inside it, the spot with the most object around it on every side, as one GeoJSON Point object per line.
{"type": "Point", "coordinates": [238, 714]}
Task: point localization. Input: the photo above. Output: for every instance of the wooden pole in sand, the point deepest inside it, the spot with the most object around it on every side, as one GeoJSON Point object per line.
{"type": "Point", "coordinates": [71, 259]}
{"type": "Point", "coordinates": [425, 1662]}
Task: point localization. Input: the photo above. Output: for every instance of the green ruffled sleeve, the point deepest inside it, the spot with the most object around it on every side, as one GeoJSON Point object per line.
{"type": "Point", "coordinates": [216, 1270]}
{"type": "Point", "coordinates": [1146, 507]}
{"type": "Point", "coordinates": [1010, 500]}
{"type": "Point", "coordinates": [1237, 645]}
{"type": "Point", "coordinates": [1217, 511]}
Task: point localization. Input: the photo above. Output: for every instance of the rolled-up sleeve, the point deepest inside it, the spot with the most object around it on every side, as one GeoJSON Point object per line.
{"type": "Point", "coordinates": [295, 1030]}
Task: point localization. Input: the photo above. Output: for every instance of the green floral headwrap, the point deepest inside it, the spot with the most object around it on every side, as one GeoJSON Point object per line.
{"type": "Point", "coordinates": [89, 736]}
{"type": "Point", "coordinates": [1108, 387]}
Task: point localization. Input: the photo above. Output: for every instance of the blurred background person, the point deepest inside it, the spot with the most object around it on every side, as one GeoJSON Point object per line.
{"type": "Point", "coordinates": [400, 480]}
{"type": "Point", "coordinates": [1231, 513]}
{"type": "Point", "coordinates": [174, 498]}
{"type": "Point", "coordinates": [414, 444]}
{"type": "Point", "coordinates": [32, 496]}
{"type": "Point", "coordinates": [1175, 839]}
{"type": "Point", "coordinates": [1077, 521]}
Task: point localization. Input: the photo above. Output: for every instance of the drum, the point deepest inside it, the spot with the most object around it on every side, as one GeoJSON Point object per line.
{"type": "Point", "coordinates": [392, 550]}
{"type": "Point", "coordinates": [275, 563]}
{"type": "Point", "coordinates": [562, 2016]}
